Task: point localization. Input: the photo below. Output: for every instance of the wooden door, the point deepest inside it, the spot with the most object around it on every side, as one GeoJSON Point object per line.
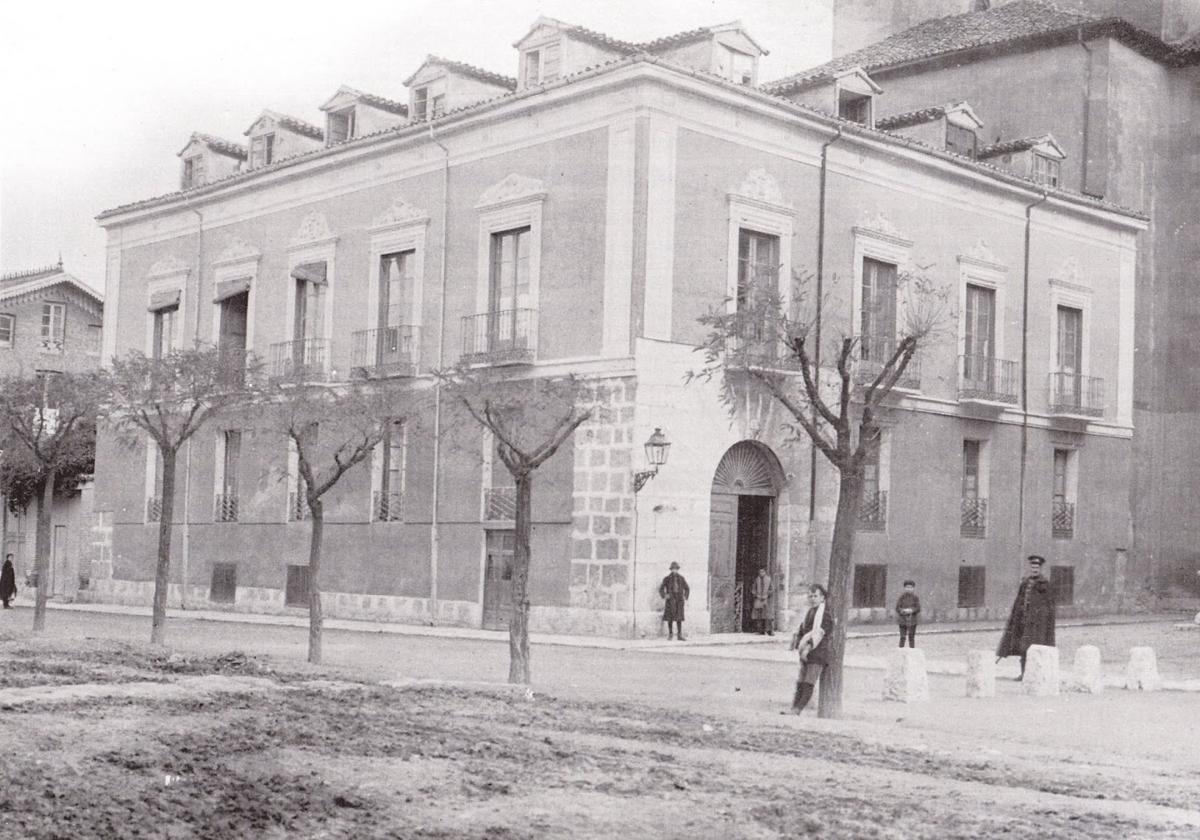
{"type": "Point", "coordinates": [722, 563]}
{"type": "Point", "coordinates": [497, 580]}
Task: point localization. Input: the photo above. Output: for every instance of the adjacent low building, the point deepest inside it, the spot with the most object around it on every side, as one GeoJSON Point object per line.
{"type": "Point", "coordinates": [581, 216]}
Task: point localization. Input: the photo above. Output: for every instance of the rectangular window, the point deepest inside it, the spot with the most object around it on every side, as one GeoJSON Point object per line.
{"type": "Point", "coordinates": [960, 141]}
{"type": "Point", "coordinates": [878, 316]}
{"type": "Point", "coordinates": [1070, 339]}
{"type": "Point", "coordinates": [193, 171]}
{"type": "Point", "coordinates": [309, 320]}
{"type": "Point", "coordinates": [395, 288]}
{"type": "Point", "coordinates": [223, 589]}
{"type": "Point", "coordinates": [510, 270]}
{"type": "Point", "coordinates": [231, 456]}
{"type": "Point", "coordinates": [974, 500]}
{"type": "Point", "coordinates": [389, 497]}
{"type": "Point", "coordinates": [297, 492]}
{"type": "Point", "coordinates": [1062, 523]}
{"type": "Point", "coordinates": [758, 264]}
{"type": "Point", "coordinates": [8, 329]}
{"type": "Point", "coordinates": [970, 485]}
{"type": "Point", "coordinates": [533, 66]}
{"type": "Point", "coordinates": [296, 593]}
{"type": "Point", "coordinates": [164, 331]}
{"type": "Point", "coordinates": [854, 107]}
{"type": "Point", "coordinates": [262, 150]}
{"type": "Point", "coordinates": [980, 337]}
{"type": "Point", "coordinates": [741, 67]}
{"type": "Point", "coordinates": [420, 103]}
{"type": "Point", "coordinates": [550, 63]}
{"type": "Point", "coordinates": [1062, 583]}
{"type": "Point", "coordinates": [872, 507]}
{"type": "Point", "coordinates": [340, 126]}
{"type": "Point", "coordinates": [54, 327]}
{"type": "Point", "coordinates": [438, 105]}
{"type": "Point", "coordinates": [1046, 170]}
{"type": "Point", "coordinates": [1061, 459]}
{"type": "Point", "coordinates": [870, 585]}
{"type": "Point", "coordinates": [971, 582]}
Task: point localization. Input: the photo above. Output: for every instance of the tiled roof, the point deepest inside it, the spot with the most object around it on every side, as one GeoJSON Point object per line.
{"type": "Point", "coordinates": [912, 118]}
{"type": "Point", "coordinates": [291, 123]}
{"type": "Point", "coordinates": [217, 144]}
{"type": "Point", "coordinates": [1009, 147]}
{"type": "Point", "coordinates": [599, 39]}
{"type": "Point", "coordinates": [701, 33]}
{"type": "Point", "coordinates": [416, 129]}
{"type": "Point", "coordinates": [384, 104]}
{"type": "Point", "coordinates": [1009, 25]}
{"type": "Point", "coordinates": [608, 42]}
{"type": "Point", "coordinates": [465, 69]}
{"type": "Point", "coordinates": [10, 278]}
{"type": "Point", "coordinates": [18, 283]}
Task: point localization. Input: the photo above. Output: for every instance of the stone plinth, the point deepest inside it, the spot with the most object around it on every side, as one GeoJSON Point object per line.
{"type": "Point", "coordinates": [1085, 674]}
{"type": "Point", "coordinates": [1041, 671]}
{"type": "Point", "coordinates": [1141, 674]}
{"type": "Point", "coordinates": [906, 680]}
{"type": "Point", "coordinates": [981, 673]}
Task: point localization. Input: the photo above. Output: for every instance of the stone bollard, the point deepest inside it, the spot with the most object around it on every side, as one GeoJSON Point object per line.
{"type": "Point", "coordinates": [1041, 671]}
{"type": "Point", "coordinates": [1086, 675]}
{"type": "Point", "coordinates": [1142, 671]}
{"type": "Point", "coordinates": [905, 680]}
{"type": "Point", "coordinates": [981, 673]}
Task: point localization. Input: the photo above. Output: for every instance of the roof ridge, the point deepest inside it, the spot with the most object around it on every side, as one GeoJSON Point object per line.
{"type": "Point", "coordinates": [27, 273]}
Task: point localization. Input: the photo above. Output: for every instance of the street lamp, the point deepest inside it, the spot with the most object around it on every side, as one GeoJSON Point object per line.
{"type": "Point", "coordinates": [657, 449]}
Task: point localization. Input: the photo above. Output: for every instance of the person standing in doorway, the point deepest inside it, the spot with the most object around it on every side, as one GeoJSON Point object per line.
{"type": "Point", "coordinates": [811, 639]}
{"type": "Point", "coordinates": [8, 581]}
{"type": "Point", "coordinates": [908, 608]}
{"type": "Point", "coordinates": [674, 591]}
{"type": "Point", "coordinates": [760, 613]}
{"type": "Point", "coordinates": [1031, 621]}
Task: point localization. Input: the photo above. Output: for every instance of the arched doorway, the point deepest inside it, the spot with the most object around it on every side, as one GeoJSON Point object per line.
{"type": "Point", "coordinates": [741, 537]}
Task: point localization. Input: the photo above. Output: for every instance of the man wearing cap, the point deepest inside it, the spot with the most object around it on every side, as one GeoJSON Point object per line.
{"type": "Point", "coordinates": [674, 591]}
{"type": "Point", "coordinates": [1031, 621]}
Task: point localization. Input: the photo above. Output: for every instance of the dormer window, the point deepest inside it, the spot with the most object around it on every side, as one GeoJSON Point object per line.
{"type": "Point", "coordinates": [739, 66]}
{"type": "Point", "coordinates": [193, 171]}
{"type": "Point", "coordinates": [855, 107]}
{"type": "Point", "coordinates": [1046, 170]}
{"type": "Point", "coordinates": [961, 141]}
{"type": "Point", "coordinates": [262, 150]}
{"type": "Point", "coordinates": [543, 65]}
{"type": "Point", "coordinates": [428, 105]}
{"type": "Point", "coordinates": [340, 126]}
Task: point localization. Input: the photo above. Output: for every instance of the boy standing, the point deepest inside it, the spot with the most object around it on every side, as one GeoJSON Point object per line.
{"type": "Point", "coordinates": [908, 607]}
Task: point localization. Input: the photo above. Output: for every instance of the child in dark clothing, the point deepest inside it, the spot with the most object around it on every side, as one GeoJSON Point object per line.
{"type": "Point", "coordinates": [908, 607]}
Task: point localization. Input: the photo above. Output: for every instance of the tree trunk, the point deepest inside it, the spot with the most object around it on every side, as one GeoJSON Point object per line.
{"type": "Point", "coordinates": [162, 570]}
{"type": "Point", "coordinates": [518, 628]}
{"type": "Point", "coordinates": [838, 603]}
{"type": "Point", "coordinates": [41, 557]}
{"type": "Point", "coordinates": [315, 617]}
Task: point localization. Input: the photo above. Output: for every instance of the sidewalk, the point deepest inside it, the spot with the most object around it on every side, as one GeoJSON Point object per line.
{"type": "Point", "coordinates": [745, 646]}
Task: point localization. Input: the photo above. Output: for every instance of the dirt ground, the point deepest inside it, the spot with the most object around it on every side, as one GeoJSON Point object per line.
{"type": "Point", "coordinates": [106, 739]}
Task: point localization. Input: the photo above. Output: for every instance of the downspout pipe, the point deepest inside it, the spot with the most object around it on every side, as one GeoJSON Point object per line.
{"type": "Point", "coordinates": [821, 198]}
{"type": "Point", "coordinates": [185, 547]}
{"type": "Point", "coordinates": [434, 533]}
{"type": "Point", "coordinates": [1025, 369]}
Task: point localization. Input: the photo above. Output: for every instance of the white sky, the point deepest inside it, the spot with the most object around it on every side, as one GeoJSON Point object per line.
{"type": "Point", "coordinates": [99, 97]}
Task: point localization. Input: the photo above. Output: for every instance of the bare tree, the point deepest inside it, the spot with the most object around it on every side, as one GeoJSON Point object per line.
{"type": "Point", "coordinates": [529, 419]}
{"type": "Point", "coordinates": [769, 343]}
{"type": "Point", "coordinates": [169, 399]}
{"type": "Point", "coordinates": [332, 429]}
{"type": "Point", "coordinates": [48, 428]}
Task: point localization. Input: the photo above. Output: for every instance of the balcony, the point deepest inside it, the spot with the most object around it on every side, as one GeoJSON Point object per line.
{"type": "Point", "coordinates": [872, 511]}
{"type": "Point", "coordinates": [760, 345]}
{"type": "Point", "coordinates": [1062, 520]}
{"type": "Point", "coordinates": [988, 381]}
{"type": "Point", "coordinates": [386, 507]}
{"type": "Point", "coordinates": [297, 508]}
{"type": "Point", "coordinates": [225, 509]}
{"type": "Point", "coordinates": [52, 344]}
{"type": "Point", "coordinates": [388, 351]}
{"type": "Point", "coordinates": [500, 503]}
{"type": "Point", "coordinates": [974, 518]}
{"type": "Point", "coordinates": [1074, 396]}
{"type": "Point", "coordinates": [302, 360]}
{"type": "Point", "coordinates": [874, 352]}
{"type": "Point", "coordinates": [506, 337]}
{"type": "Point", "coordinates": [154, 509]}
{"type": "Point", "coordinates": [232, 372]}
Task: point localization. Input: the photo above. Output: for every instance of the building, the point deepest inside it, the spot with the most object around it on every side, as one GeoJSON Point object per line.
{"type": "Point", "coordinates": [50, 321]}
{"type": "Point", "coordinates": [581, 216]}
{"type": "Point", "coordinates": [1115, 88]}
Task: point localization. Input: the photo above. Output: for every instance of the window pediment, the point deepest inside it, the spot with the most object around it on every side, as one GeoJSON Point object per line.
{"type": "Point", "coordinates": [399, 214]}
{"type": "Point", "coordinates": [511, 190]}
{"type": "Point", "coordinates": [237, 251]}
{"type": "Point", "coordinates": [760, 188]}
{"type": "Point", "coordinates": [878, 226]}
{"type": "Point", "coordinates": [168, 267]}
{"type": "Point", "coordinates": [313, 230]}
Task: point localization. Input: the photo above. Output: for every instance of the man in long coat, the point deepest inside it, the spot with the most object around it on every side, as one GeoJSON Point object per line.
{"type": "Point", "coordinates": [8, 582]}
{"type": "Point", "coordinates": [674, 591]}
{"type": "Point", "coordinates": [1031, 621]}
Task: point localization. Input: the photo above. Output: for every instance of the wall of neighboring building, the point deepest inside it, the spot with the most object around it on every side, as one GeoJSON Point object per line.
{"type": "Point", "coordinates": [81, 337]}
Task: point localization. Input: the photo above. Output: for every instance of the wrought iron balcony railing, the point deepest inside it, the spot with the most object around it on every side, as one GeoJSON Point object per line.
{"type": "Point", "coordinates": [226, 508]}
{"type": "Point", "coordinates": [974, 517]}
{"type": "Point", "coordinates": [154, 509]}
{"type": "Point", "coordinates": [984, 378]}
{"type": "Point", "coordinates": [503, 337]}
{"type": "Point", "coordinates": [297, 508]}
{"type": "Point", "coordinates": [872, 511]}
{"type": "Point", "coordinates": [1062, 520]}
{"type": "Point", "coordinates": [500, 503]}
{"type": "Point", "coordinates": [232, 372]}
{"type": "Point", "coordinates": [1073, 395]}
{"type": "Point", "coordinates": [387, 351]}
{"type": "Point", "coordinates": [387, 507]}
{"type": "Point", "coordinates": [51, 344]}
{"type": "Point", "coordinates": [874, 352]}
{"type": "Point", "coordinates": [303, 360]}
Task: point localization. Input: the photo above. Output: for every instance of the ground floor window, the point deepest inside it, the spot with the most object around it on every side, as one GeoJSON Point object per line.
{"type": "Point", "coordinates": [971, 582]}
{"type": "Point", "coordinates": [497, 578]}
{"type": "Point", "coordinates": [1062, 581]}
{"type": "Point", "coordinates": [870, 585]}
{"type": "Point", "coordinates": [296, 594]}
{"type": "Point", "coordinates": [223, 589]}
